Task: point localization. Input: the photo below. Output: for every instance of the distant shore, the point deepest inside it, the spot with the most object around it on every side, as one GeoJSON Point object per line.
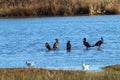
{"type": "Point", "coordinates": [45, 8]}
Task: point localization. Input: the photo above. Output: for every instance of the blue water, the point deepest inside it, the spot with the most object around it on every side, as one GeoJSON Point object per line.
{"type": "Point", "coordinates": [24, 40]}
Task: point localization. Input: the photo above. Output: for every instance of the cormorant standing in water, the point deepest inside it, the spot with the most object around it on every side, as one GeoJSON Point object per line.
{"type": "Point", "coordinates": [48, 46]}
{"type": "Point", "coordinates": [86, 43]}
{"type": "Point", "coordinates": [68, 46]}
{"type": "Point", "coordinates": [99, 43]}
{"type": "Point", "coordinates": [55, 45]}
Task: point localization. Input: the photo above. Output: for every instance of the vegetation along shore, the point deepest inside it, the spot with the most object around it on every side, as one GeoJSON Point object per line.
{"type": "Point", "coordinates": [39, 8]}
{"type": "Point", "coordinates": [109, 73]}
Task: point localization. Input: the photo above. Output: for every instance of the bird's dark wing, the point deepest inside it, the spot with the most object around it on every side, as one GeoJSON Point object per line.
{"type": "Point", "coordinates": [48, 47]}
{"type": "Point", "coordinates": [98, 43]}
{"type": "Point", "coordinates": [87, 44]}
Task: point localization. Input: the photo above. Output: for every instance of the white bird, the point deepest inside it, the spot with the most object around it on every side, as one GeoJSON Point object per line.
{"type": "Point", "coordinates": [85, 67]}
{"type": "Point", "coordinates": [30, 64]}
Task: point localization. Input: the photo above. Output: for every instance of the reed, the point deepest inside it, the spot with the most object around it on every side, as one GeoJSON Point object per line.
{"type": "Point", "coordinates": [31, 8]}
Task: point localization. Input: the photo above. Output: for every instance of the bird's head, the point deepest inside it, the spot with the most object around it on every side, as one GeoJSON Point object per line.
{"type": "Point", "coordinates": [68, 41]}
{"type": "Point", "coordinates": [84, 39]}
{"type": "Point", "coordinates": [101, 38]}
{"type": "Point", "coordinates": [56, 39]}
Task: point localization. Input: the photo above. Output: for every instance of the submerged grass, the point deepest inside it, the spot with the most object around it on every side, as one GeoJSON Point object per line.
{"type": "Point", "coordinates": [109, 73]}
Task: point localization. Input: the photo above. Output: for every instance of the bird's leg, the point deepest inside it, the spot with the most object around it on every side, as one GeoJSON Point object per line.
{"type": "Point", "coordinates": [99, 48]}
{"type": "Point", "coordinates": [86, 48]}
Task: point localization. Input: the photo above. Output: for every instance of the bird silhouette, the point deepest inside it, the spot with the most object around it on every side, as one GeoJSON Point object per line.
{"type": "Point", "coordinates": [55, 45]}
{"type": "Point", "coordinates": [88, 45]}
{"type": "Point", "coordinates": [48, 46]}
{"type": "Point", "coordinates": [68, 46]}
{"type": "Point", "coordinates": [99, 43]}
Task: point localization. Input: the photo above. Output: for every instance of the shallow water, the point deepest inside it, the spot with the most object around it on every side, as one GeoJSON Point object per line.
{"type": "Point", "coordinates": [24, 40]}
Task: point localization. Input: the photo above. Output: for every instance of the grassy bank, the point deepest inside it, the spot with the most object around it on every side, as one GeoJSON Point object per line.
{"type": "Point", "coordinates": [110, 73]}
{"type": "Point", "coordinates": [33, 8]}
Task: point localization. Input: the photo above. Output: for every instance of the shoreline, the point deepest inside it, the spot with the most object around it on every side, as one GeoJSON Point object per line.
{"type": "Point", "coordinates": [100, 69]}
{"type": "Point", "coordinates": [53, 16]}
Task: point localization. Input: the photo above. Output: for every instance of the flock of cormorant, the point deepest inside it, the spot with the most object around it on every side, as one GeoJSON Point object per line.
{"type": "Point", "coordinates": [98, 43]}
{"type": "Point", "coordinates": [68, 44]}
{"type": "Point", "coordinates": [68, 48]}
{"type": "Point", "coordinates": [55, 45]}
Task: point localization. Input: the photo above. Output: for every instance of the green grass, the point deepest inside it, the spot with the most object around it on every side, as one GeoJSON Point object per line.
{"type": "Point", "coordinates": [109, 73]}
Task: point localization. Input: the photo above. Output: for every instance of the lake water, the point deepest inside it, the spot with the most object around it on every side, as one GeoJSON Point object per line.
{"type": "Point", "coordinates": [24, 40]}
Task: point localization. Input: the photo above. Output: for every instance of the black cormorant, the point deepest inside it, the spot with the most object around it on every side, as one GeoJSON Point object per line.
{"type": "Point", "coordinates": [68, 46]}
{"type": "Point", "coordinates": [55, 45]}
{"type": "Point", "coordinates": [86, 43]}
{"type": "Point", "coordinates": [48, 46]}
{"type": "Point", "coordinates": [99, 42]}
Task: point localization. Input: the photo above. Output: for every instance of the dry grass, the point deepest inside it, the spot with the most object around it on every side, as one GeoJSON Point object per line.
{"type": "Point", "coordinates": [31, 8]}
{"type": "Point", "coordinates": [110, 73]}
{"type": "Point", "coordinates": [39, 74]}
